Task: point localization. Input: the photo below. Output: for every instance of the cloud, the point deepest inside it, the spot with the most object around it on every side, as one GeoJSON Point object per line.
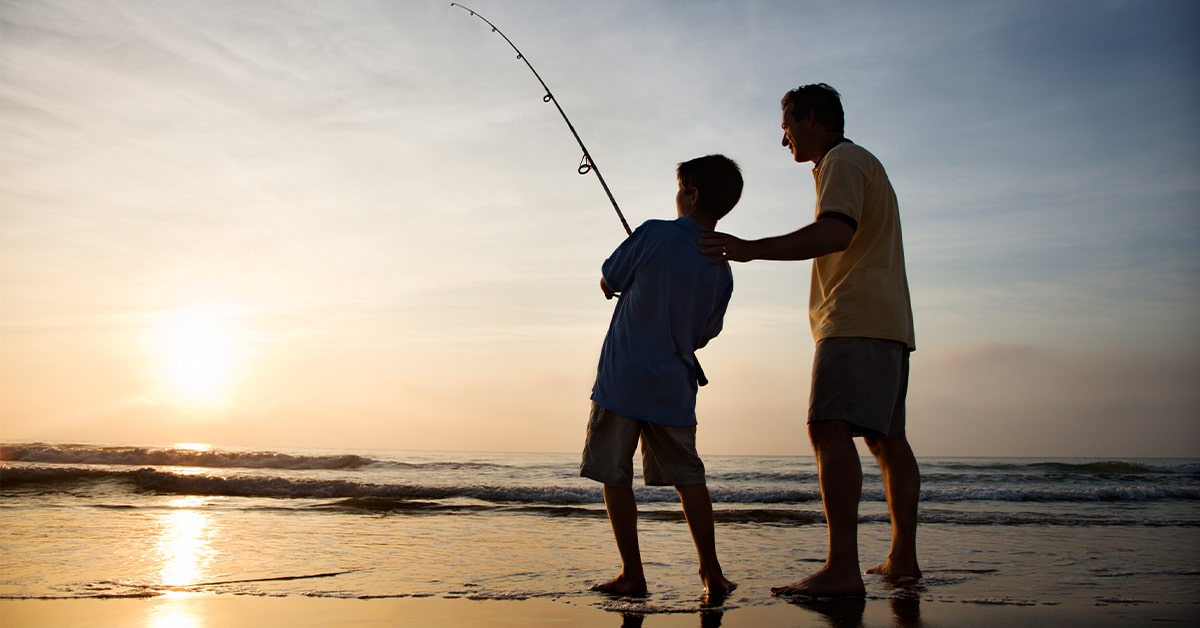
{"type": "Point", "coordinates": [376, 180]}
{"type": "Point", "coordinates": [1017, 400]}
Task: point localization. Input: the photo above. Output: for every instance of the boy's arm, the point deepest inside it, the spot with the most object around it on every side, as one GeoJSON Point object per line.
{"type": "Point", "coordinates": [608, 292]}
{"type": "Point", "coordinates": [616, 273]}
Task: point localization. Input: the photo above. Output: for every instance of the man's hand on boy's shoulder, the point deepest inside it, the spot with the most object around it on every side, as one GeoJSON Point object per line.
{"type": "Point", "coordinates": [722, 247]}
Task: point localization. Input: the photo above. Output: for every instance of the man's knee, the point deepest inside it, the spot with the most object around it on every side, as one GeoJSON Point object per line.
{"type": "Point", "coordinates": [824, 434]}
{"type": "Point", "coordinates": [888, 449]}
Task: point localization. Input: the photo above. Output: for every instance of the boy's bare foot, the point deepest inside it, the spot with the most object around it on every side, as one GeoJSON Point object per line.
{"type": "Point", "coordinates": [718, 586]}
{"type": "Point", "coordinates": [896, 569]}
{"type": "Point", "coordinates": [824, 583]}
{"type": "Point", "coordinates": [622, 585]}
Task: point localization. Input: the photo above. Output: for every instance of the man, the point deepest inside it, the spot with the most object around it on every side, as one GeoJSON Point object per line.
{"type": "Point", "coordinates": [861, 320]}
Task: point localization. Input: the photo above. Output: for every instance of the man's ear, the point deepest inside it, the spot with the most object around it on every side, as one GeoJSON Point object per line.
{"type": "Point", "coordinates": [693, 194]}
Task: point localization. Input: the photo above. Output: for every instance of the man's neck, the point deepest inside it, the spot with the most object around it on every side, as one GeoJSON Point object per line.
{"type": "Point", "coordinates": [827, 145]}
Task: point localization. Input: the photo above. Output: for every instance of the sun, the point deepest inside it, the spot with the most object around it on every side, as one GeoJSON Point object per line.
{"type": "Point", "coordinates": [195, 352]}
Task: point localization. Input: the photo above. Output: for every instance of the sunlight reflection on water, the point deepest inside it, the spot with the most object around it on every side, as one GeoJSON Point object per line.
{"type": "Point", "coordinates": [184, 546]}
{"type": "Point", "coordinates": [175, 618]}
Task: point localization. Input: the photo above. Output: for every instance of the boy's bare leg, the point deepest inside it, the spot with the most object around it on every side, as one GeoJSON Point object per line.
{"type": "Point", "coordinates": [902, 485]}
{"type": "Point", "coordinates": [622, 514]}
{"type": "Point", "coordinates": [697, 508]}
{"type": "Point", "coordinates": [840, 475]}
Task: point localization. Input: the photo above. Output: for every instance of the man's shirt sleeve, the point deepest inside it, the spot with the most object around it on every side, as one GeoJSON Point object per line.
{"type": "Point", "coordinates": [842, 190]}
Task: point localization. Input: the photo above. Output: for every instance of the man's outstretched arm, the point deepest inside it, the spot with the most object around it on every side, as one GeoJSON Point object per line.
{"type": "Point", "coordinates": [825, 236]}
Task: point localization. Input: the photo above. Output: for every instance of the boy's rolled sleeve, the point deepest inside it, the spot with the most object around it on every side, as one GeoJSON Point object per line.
{"type": "Point", "coordinates": [618, 269]}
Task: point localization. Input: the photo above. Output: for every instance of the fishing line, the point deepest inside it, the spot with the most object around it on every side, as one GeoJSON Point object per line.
{"type": "Point", "coordinates": [586, 163]}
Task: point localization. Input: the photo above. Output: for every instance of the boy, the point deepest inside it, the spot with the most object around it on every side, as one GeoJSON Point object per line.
{"type": "Point", "coordinates": [672, 303]}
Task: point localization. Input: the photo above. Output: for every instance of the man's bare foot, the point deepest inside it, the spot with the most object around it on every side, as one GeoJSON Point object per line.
{"type": "Point", "coordinates": [622, 585]}
{"type": "Point", "coordinates": [896, 569]}
{"type": "Point", "coordinates": [824, 583]}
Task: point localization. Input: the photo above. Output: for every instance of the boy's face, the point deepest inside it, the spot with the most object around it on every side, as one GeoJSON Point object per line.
{"type": "Point", "coordinates": [685, 199]}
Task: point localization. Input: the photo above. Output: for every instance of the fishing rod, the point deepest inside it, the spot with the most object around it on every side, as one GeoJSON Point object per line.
{"type": "Point", "coordinates": [586, 164]}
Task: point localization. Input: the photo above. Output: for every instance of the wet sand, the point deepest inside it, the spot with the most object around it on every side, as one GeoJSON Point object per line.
{"type": "Point", "coordinates": [213, 610]}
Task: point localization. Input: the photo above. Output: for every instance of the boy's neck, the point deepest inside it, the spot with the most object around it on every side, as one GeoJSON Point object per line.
{"type": "Point", "coordinates": [702, 220]}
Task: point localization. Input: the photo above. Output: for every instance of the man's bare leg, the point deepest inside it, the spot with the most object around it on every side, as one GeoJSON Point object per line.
{"type": "Point", "coordinates": [622, 514]}
{"type": "Point", "coordinates": [697, 508]}
{"type": "Point", "coordinates": [840, 474]}
{"type": "Point", "coordinates": [902, 485]}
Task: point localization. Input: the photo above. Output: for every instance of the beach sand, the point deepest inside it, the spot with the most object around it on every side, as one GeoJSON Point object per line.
{"type": "Point", "coordinates": [224, 611]}
{"type": "Point", "coordinates": [1003, 543]}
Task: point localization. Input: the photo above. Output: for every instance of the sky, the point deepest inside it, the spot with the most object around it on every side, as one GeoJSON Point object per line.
{"type": "Point", "coordinates": [357, 225]}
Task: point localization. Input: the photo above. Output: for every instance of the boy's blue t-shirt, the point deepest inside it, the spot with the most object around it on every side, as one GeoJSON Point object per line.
{"type": "Point", "coordinates": [672, 302]}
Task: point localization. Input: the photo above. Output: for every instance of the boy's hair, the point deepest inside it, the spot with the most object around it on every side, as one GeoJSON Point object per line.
{"type": "Point", "coordinates": [822, 100]}
{"type": "Point", "coordinates": [719, 181]}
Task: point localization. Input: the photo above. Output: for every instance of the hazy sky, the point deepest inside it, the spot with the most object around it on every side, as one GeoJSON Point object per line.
{"type": "Point", "coordinates": [356, 224]}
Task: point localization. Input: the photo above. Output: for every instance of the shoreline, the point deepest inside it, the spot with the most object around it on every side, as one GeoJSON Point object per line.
{"type": "Point", "coordinates": [222, 610]}
{"type": "Point", "coordinates": [496, 540]}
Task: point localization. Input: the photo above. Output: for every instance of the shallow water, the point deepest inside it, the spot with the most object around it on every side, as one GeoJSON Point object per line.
{"type": "Point", "coordinates": [507, 526]}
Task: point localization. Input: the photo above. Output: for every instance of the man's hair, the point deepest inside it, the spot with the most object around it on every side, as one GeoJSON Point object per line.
{"type": "Point", "coordinates": [719, 181]}
{"type": "Point", "coordinates": [822, 100]}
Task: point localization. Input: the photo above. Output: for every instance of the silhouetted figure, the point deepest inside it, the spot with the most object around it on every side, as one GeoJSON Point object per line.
{"type": "Point", "coordinates": [861, 319]}
{"type": "Point", "coordinates": [672, 303]}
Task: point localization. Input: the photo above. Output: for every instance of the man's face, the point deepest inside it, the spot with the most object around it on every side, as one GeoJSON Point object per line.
{"type": "Point", "coordinates": [797, 135]}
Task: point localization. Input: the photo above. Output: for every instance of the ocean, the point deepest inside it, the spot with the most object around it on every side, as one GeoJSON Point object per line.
{"type": "Point", "coordinates": [91, 521]}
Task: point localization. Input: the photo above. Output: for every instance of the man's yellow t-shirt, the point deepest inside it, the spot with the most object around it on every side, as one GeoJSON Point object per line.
{"type": "Point", "coordinates": [863, 290]}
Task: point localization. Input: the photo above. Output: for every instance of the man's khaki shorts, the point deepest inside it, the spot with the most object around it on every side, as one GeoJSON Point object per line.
{"type": "Point", "coordinates": [669, 455]}
{"type": "Point", "coordinates": [862, 381]}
